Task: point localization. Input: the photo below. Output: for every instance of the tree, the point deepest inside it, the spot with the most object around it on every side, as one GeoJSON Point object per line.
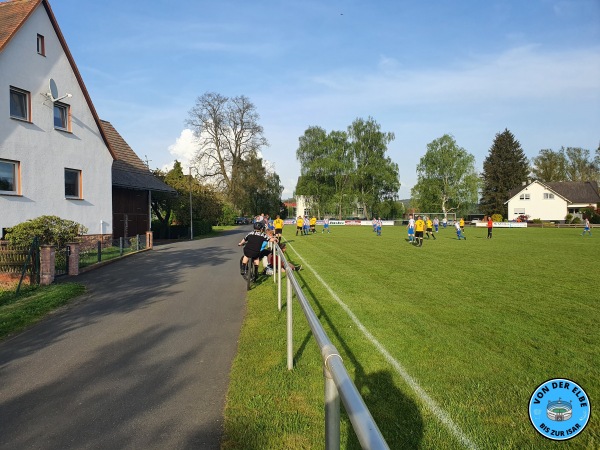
{"type": "Point", "coordinates": [446, 177]}
{"type": "Point", "coordinates": [580, 166]}
{"type": "Point", "coordinates": [504, 169]}
{"type": "Point", "coordinates": [316, 176]}
{"type": "Point", "coordinates": [228, 134]}
{"type": "Point", "coordinates": [376, 177]}
{"type": "Point", "coordinates": [206, 203]}
{"type": "Point", "coordinates": [549, 166]}
{"type": "Point", "coordinates": [341, 168]}
{"type": "Point", "coordinates": [261, 190]}
{"type": "Point", "coordinates": [566, 164]}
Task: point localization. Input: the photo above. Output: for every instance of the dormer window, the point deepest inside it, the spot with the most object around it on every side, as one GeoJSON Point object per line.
{"type": "Point", "coordinates": [41, 47]}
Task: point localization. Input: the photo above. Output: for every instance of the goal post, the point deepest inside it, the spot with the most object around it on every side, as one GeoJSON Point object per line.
{"type": "Point", "coordinates": [432, 215]}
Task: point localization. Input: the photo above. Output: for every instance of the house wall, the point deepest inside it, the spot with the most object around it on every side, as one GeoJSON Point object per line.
{"type": "Point", "coordinates": [537, 207]}
{"type": "Point", "coordinates": [42, 151]}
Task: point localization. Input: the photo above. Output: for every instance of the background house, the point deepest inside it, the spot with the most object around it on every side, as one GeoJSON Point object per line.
{"type": "Point", "coordinates": [552, 201]}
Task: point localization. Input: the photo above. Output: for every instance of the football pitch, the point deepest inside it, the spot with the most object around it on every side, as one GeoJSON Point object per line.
{"type": "Point", "coordinates": [446, 342]}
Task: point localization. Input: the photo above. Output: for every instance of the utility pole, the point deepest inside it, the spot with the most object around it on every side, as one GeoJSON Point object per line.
{"type": "Point", "coordinates": [191, 215]}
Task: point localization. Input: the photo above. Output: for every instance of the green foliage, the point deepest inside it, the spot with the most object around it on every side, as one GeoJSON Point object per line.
{"type": "Point", "coordinates": [504, 169]}
{"type": "Point", "coordinates": [576, 220]}
{"type": "Point", "coordinates": [566, 164]}
{"type": "Point", "coordinates": [51, 230]}
{"type": "Point", "coordinates": [592, 214]}
{"type": "Point", "coordinates": [202, 227]}
{"type": "Point", "coordinates": [228, 214]}
{"type": "Point", "coordinates": [446, 178]}
{"type": "Point", "coordinates": [340, 169]}
{"type": "Point", "coordinates": [549, 166]}
{"type": "Point", "coordinates": [497, 217]}
{"type": "Point", "coordinates": [537, 221]}
{"type": "Point", "coordinates": [169, 210]}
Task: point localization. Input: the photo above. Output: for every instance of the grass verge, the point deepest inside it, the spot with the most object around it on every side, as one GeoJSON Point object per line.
{"type": "Point", "coordinates": [32, 304]}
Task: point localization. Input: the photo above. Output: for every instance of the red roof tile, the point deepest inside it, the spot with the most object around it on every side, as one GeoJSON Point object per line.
{"type": "Point", "coordinates": [13, 14]}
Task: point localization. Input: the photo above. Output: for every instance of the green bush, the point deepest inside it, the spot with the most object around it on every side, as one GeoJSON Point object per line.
{"type": "Point", "coordinates": [592, 214]}
{"type": "Point", "coordinates": [202, 227]}
{"type": "Point", "coordinates": [576, 220]}
{"type": "Point", "coordinates": [568, 218]}
{"type": "Point", "coordinates": [537, 220]}
{"type": "Point", "coordinates": [51, 230]}
{"type": "Point", "coordinates": [228, 215]}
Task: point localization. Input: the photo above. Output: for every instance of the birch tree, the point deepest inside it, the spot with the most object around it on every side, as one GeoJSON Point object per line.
{"type": "Point", "coordinates": [446, 178]}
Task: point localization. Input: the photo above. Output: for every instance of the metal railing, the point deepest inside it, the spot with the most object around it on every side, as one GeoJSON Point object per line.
{"type": "Point", "coordinates": [338, 384]}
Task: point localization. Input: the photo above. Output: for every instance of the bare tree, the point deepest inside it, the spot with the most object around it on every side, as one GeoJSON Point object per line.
{"type": "Point", "coordinates": [228, 133]}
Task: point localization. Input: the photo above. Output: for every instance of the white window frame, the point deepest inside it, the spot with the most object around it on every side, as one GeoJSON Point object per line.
{"type": "Point", "coordinates": [548, 196]}
{"type": "Point", "coordinates": [62, 121]}
{"type": "Point", "coordinates": [525, 197]}
{"type": "Point", "coordinates": [77, 195]}
{"type": "Point", "coordinates": [26, 99]}
{"type": "Point", "coordinates": [16, 171]}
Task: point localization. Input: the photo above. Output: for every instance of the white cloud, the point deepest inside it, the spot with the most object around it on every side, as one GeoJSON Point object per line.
{"type": "Point", "coordinates": [183, 149]}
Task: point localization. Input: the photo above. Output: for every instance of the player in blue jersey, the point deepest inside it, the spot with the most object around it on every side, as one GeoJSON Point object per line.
{"type": "Point", "coordinates": [411, 229]}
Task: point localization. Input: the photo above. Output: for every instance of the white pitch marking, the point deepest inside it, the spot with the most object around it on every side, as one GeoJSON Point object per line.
{"type": "Point", "coordinates": [431, 403]}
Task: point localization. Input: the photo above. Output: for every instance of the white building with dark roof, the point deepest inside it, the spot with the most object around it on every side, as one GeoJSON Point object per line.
{"type": "Point", "coordinates": [552, 201]}
{"type": "Point", "coordinates": [56, 155]}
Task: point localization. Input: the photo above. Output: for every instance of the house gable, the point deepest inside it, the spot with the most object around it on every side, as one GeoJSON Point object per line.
{"type": "Point", "coordinates": [14, 14]}
{"type": "Point", "coordinates": [58, 170]}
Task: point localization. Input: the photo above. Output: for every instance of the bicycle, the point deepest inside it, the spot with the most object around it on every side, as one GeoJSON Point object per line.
{"type": "Point", "coordinates": [250, 271]}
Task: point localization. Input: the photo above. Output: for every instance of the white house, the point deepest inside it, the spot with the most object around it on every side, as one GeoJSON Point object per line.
{"type": "Point", "coordinates": [54, 156]}
{"type": "Point", "coordinates": [552, 201]}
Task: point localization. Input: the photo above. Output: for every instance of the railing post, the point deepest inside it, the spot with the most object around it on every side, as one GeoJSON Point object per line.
{"type": "Point", "coordinates": [99, 251]}
{"type": "Point", "coordinates": [279, 283]}
{"type": "Point", "coordinates": [332, 412]}
{"type": "Point", "coordinates": [120, 246]}
{"type": "Point", "coordinates": [290, 343]}
{"type": "Point", "coordinates": [137, 239]}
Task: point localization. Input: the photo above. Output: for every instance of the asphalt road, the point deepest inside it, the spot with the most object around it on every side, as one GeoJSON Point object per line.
{"type": "Point", "coordinates": [142, 361]}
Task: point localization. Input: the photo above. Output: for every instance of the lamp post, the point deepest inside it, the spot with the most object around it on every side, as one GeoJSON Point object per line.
{"type": "Point", "coordinates": [191, 215]}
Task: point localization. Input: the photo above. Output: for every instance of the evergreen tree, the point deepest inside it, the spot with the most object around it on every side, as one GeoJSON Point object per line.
{"type": "Point", "coordinates": [504, 169]}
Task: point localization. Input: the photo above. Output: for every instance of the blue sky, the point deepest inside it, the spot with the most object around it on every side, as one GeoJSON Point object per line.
{"type": "Point", "coordinates": [421, 69]}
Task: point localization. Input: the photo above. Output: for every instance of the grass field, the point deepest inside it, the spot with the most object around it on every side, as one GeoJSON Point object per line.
{"type": "Point", "coordinates": [472, 327]}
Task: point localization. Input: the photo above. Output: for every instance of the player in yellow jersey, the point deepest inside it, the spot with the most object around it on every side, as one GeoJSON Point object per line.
{"type": "Point", "coordinates": [299, 225]}
{"type": "Point", "coordinates": [429, 229]}
{"type": "Point", "coordinates": [419, 228]}
{"type": "Point", "coordinates": [312, 223]}
{"type": "Point", "coordinates": [278, 224]}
